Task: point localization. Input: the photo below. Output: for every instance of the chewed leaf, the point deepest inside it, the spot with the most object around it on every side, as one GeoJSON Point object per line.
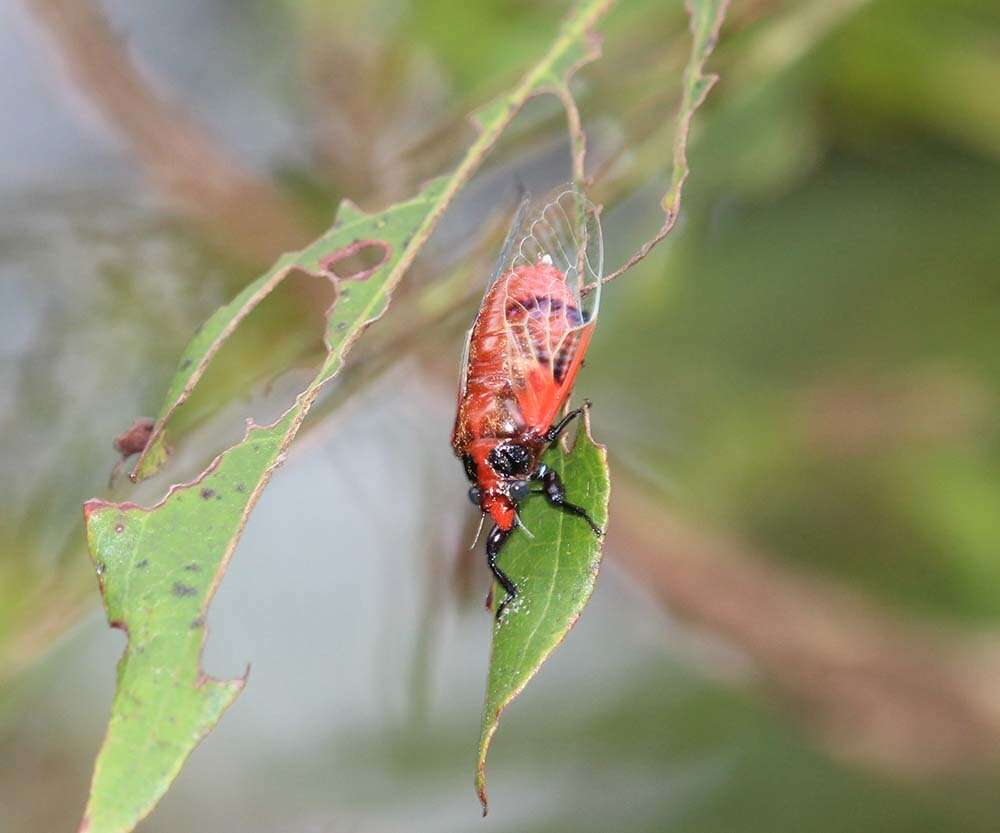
{"type": "Point", "coordinates": [390, 233]}
{"type": "Point", "coordinates": [159, 567]}
{"type": "Point", "coordinates": [704, 20]}
{"type": "Point", "coordinates": [554, 572]}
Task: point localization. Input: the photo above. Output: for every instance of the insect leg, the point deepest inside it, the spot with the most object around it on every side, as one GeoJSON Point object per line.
{"type": "Point", "coordinates": [494, 542]}
{"type": "Point", "coordinates": [555, 493]}
{"type": "Point", "coordinates": [553, 433]}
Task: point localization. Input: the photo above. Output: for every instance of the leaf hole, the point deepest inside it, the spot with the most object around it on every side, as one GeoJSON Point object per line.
{"type": "Point", "coordinates": [358, 261]}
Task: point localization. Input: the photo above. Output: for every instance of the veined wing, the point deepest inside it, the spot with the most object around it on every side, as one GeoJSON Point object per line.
{"type": "Point", "coordinates": [548, 316]}
{"type": "Point", "coordinates": [508, 251]}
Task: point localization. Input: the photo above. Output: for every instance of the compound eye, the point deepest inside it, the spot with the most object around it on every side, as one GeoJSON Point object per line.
{"type": "Point", "coordinates": [520, 489]}
{"type": "Point", "coordinates": [475, 495]}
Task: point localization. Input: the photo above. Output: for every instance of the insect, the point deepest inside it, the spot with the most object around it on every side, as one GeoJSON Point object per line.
{"type": "Point", "coordinates": [521, 359]}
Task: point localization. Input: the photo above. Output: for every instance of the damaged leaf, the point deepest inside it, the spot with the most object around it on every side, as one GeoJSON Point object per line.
{"type": "Point", "coordinates": [159, 567]}
{"type": "Point", "coordinates": [705, 20]}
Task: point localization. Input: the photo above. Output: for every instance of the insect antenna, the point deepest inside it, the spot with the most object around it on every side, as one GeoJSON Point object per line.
{"type": "Point", "coordinates": [479, 531]}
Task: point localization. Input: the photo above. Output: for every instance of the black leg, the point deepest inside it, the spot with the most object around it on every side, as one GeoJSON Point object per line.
{"type": "Point", "coordinates": [555, 493]}
{"type": "Point", "coordinates": [553, 433]}
{"type": "Point", "coordinates": [494, 542]}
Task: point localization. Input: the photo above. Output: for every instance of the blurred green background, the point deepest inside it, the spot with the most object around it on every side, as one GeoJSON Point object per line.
{"type": "Point", "coordinates": [796, 628]}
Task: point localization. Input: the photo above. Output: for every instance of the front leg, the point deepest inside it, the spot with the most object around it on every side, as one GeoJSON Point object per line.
{"type": "Point", "coordinates": [494, 542]}
{"type": "Point", "coordinates": [553, 433]}
{"type": "Point", "coordinates": [555, 494]}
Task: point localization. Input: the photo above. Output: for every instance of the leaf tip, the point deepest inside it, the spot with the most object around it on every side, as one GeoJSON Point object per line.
{"type": "Point", "coordinates": [154, 456]}
{"type": "Point", "coordinates": [484, 748]}
{"type": "Point", "coordinates": [481, 787]}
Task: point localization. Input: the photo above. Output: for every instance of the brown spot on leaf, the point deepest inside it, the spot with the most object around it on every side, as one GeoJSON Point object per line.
{"type": "Point", "coordinates": [197, 623]}
{"type": "Point", "coordinates": [135, 438]}
{"type": "Point", "coordinates": [207, 493]}
{"type": "Point", "coordinates": [193, 567]}
{"type": "Point", "coordinates": [119, 527]}
{"type": "Point", "coordinates": [142, 565]}
{"type": "Point", "coordinates": [181, 590]}
{"type": "Point", "coordinates": [358, 261]}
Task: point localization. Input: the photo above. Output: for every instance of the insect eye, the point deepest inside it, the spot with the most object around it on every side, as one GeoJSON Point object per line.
{"type": "Point", "coordinates": [475, 495]}
{"type": "Point", "coordinates": [520, 489]}
{"type": "Point", "coordinates": [470, 467]}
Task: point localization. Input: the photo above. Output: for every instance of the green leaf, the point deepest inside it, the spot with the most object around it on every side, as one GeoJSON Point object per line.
{"type": "Point", "coordinates": [554, 572]}
{"type": "Point", "coordinates": [159, 567]}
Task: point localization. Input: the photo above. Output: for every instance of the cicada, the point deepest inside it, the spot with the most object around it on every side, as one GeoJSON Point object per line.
{"type": "Point", "coordinates": [521, 360]}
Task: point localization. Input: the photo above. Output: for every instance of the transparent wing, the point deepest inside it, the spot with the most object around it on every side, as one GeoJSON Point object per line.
{"type": "Point", "coordinates": [548, 313]}
{"type": "Point", "coordinates": [507, 251]}
{"type": "Point", "coordinates": [567, 231]}
{"type": "Point", "coordinates": [463, 368]}
{"type": "Point", "coordinates": [513, 239]}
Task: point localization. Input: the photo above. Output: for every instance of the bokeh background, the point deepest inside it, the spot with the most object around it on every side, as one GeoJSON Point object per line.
{"type": "Point", "coordinates": [797, 623]}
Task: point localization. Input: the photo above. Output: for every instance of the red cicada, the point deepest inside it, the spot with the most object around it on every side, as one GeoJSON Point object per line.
{"type": "Point", "coordinates": [522, 356]}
